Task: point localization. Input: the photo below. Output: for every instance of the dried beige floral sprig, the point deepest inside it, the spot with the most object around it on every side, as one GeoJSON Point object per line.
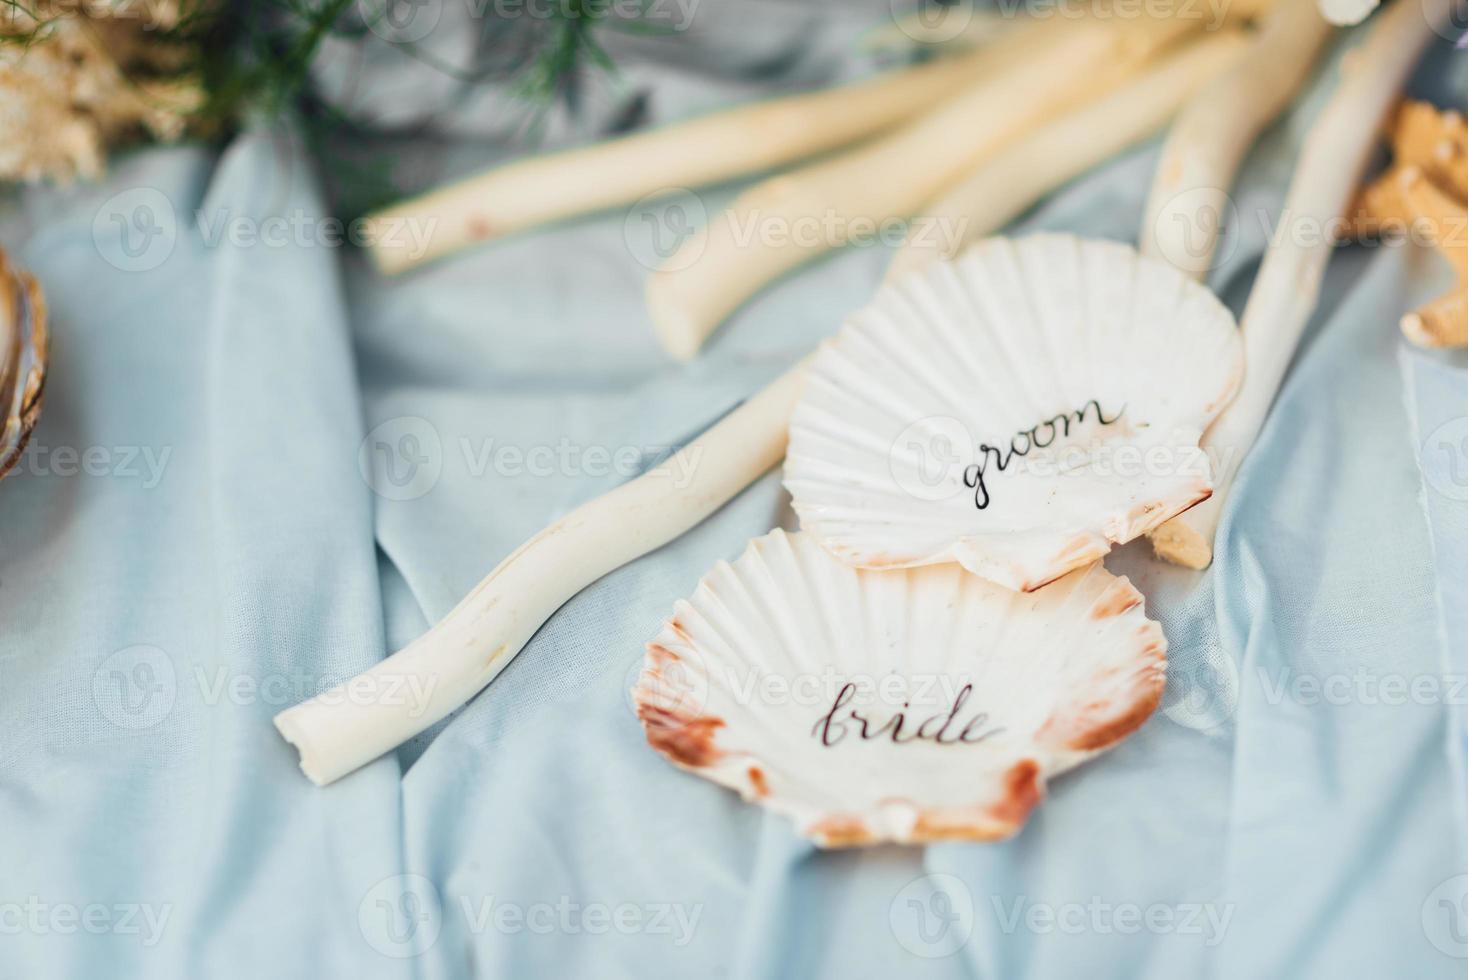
{"type": "Point", "coordinates": [78, 76]}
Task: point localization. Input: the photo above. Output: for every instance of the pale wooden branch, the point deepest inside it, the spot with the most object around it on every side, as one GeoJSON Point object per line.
{"type": "Point", "coordinates": [1331, 162]}
{"type": "Point", "coordinates": [1208, 141]}
{"type": "Point", "coordinates": [963, 25]}
{"type": "Point", "coordinates": [360, 719]}
{"type": "Point", "coordinates": [746, 139]}
{"type": "Point", "coordinates": [1005, 186]}
{"type": "Point", "coordinates": [755, 241]}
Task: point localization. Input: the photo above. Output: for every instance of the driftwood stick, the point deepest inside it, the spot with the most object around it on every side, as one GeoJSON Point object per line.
{"type": "Point", "coordinates": [964, 25]}
{"type": "Point", "coordinates": [1203, 153]}
{"type": "Point", "coordinates": [1331, 162]}
{"type": "Point", "coordinates": [360, 719]}
{"type": "Point", "coordinates": [746, 139]}
{"type": "Point", "coordinates": [1208, 141]}
{"type": "Point", "coordinates": [1009, 183]}
{"type": "Point", "coordinates": [782, 223]}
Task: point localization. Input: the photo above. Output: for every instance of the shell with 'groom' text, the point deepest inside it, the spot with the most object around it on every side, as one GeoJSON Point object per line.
{"type": "Point", "coordinates": [1017, 410]}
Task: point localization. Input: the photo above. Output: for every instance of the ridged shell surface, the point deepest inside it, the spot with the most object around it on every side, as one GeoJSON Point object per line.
{"type": "Point", "coordinates": [23, 352]}
{"type": "Point", "coordinates": [1016, 410]}
{"type": "Point", "coordinates": [914, 705]}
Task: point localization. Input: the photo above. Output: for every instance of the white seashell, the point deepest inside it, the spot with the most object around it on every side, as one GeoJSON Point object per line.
{"type": "Point", "coordinates": [744, 683]}
{"type": "Point", "coordinates": [23, 354]}
{"type": "Point", "coordinates": [1095, 369]}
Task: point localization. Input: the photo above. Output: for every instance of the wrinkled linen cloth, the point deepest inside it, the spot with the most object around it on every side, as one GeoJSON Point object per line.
{"type": "Point", "coordinates": [261, 468]}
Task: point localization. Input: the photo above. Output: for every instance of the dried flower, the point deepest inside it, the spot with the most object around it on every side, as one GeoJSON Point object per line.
{"type": "Point", "coordinates": [77, 76]}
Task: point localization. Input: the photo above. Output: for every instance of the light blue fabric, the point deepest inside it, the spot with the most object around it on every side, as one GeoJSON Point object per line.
{"type": "Point", "coordinates": [155, 619]}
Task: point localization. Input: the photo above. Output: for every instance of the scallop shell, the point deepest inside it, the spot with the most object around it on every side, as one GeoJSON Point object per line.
{"type": "Point", "coordinates": [23, 353]}
{"type": "Point", "coordinates": [1093, 369]}
{"type": "Point", "coordinates": [745, 683]}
